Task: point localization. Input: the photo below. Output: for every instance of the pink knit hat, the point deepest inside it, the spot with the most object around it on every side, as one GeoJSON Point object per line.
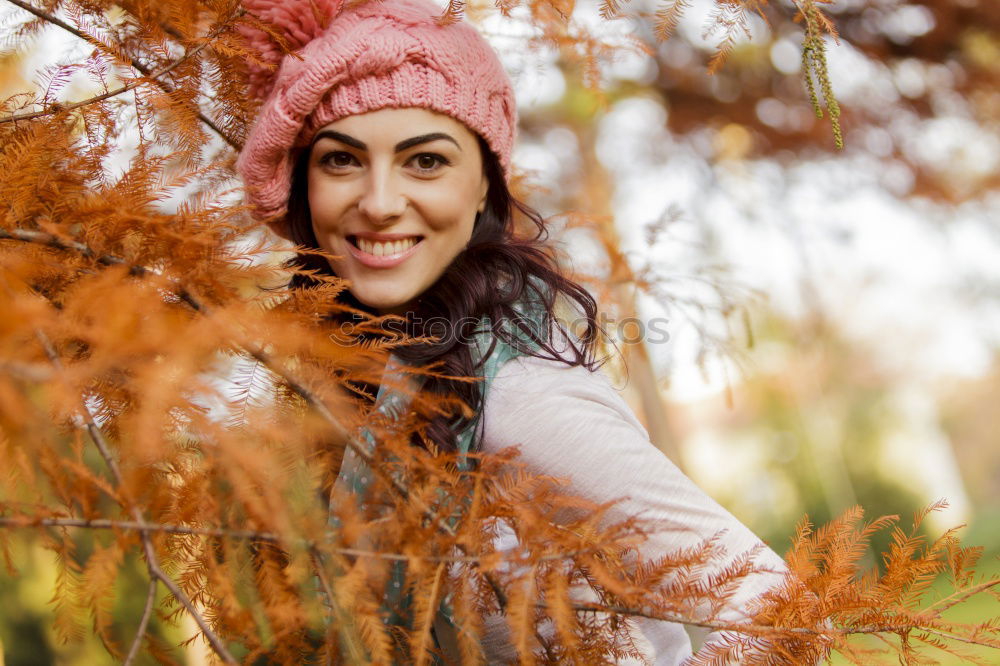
{"type": "Point", "coordinates": [358, 57]}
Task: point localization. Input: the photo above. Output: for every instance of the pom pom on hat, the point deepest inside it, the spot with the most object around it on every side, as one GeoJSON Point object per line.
{"type": "Point", "coordinates": [297, 21]}
{"type": "Point", "coordinates": [356, 57]}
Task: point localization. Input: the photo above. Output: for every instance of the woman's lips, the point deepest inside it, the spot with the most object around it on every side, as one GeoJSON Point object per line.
{"type": "Point", "coordinates": [371, 261]}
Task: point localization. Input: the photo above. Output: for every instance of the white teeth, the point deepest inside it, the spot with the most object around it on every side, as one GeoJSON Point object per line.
{"type": "Point", "coordinates": [386, 249]}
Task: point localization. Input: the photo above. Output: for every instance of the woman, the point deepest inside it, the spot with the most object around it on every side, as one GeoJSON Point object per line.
{"type": "Point", "coordinates": [387, 144]}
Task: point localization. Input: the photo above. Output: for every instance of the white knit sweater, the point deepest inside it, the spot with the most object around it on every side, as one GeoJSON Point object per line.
{"type": "Point", "coordinates": [570, 422]}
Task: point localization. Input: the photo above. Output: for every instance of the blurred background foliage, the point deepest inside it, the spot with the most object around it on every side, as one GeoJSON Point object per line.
{"type": "Point", "coordinates": [831, 316]}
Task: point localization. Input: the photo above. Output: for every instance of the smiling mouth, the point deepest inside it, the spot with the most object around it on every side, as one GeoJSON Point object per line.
{"type": "Point", "coordinates": [384, 248]}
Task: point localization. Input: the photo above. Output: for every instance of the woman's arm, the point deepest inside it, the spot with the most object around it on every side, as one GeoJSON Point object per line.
{"type": "Point", "coordinates": [571, 423]}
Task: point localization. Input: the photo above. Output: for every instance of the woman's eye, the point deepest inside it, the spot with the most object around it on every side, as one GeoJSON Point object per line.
{"type": "Point", "coordinates": [338, 159]}
{"type": "Point", "coordinates": [429, 161]}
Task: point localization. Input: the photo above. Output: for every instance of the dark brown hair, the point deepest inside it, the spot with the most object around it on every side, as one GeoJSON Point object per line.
{"type": "Point", "coordinates": [495, 276]}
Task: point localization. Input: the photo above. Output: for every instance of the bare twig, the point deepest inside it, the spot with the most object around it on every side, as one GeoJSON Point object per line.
{"type": "Point", "coordinates": [959, 596]}
{"type": "Point", "coordinates": [105, 524]}
{"type": "Point", "coordinates": [962, 639]}
{"type": "Point", "coordinates": [140, 633]}
{"type": "Point", "coordinates": [42, 238]}
{"type": "Point", "coordinates": [33, 372]}
{"type": "Point", "coordinates": [353, 651]}
{"type": "Point", "coordinates": [136, 64]}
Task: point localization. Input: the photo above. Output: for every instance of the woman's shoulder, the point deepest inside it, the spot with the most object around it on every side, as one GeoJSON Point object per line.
{"type": "Point", "coordinates": [532, 393]}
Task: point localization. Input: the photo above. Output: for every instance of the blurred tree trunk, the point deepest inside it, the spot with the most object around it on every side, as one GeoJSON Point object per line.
{"type": "Point", "coordinates": [596, 199]}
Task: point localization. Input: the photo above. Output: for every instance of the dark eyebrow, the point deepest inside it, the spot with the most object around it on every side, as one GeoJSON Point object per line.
{"type": "Point", "coordinates": [343, 138]}
{"type": "Point", "coordinates": [400, 147]}
{"type": "Point", "coordinates": [425, 138]}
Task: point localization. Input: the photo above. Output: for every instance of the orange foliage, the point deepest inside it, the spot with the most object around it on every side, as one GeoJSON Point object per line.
{"type": "Point", "coordinates": [121, 308]}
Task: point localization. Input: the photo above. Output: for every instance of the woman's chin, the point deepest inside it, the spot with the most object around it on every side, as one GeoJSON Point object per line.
{"type": "Point", "coordinates": [385, 304]}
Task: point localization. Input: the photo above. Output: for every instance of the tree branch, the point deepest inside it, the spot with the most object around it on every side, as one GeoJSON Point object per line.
{"type": "Point", "coordinates": [766, 630]}
{"type": "Point", "coordinates": [13, 118]}
{"type": "Point", "coordinates": [33, 372]}
{"type": "Point", "coordinates": [140, 633]}
{"type": "Point", "coordinates": [954, 637]}
{"type": "Point", "coordinates": [352, 649]}
{"type": "Point", "coordinates": [753, 629]}
{"type": "Point", "coordinates": [42, 238]}
{"type": "Point", "coordinates": [959, 596]}
{"type": "Point", "coordinates": [138, 66]}
{"type": "Point", "coordinates": [108, 524]}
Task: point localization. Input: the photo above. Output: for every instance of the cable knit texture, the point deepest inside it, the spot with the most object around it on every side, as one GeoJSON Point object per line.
{"type": "Point", "coordinates": [358, 57]}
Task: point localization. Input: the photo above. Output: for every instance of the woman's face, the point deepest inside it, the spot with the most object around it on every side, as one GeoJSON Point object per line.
{"type": "Point", "coordinates": [394, 194]}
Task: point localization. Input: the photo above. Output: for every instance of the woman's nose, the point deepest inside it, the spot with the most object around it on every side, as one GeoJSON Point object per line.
{"type": "Point", "coordinates": [383, 200]}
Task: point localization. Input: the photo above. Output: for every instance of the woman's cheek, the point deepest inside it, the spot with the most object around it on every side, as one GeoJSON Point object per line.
{"type": "Point", "coordinates": [324, 205]}
{"type": "Point", "coordinates": [450, 215]}
{"type": "Point", "coordinates": [447, 207]}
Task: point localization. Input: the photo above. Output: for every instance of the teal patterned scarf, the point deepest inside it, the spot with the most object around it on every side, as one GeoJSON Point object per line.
{"type": "Point", "coordinates": [355, 477]}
